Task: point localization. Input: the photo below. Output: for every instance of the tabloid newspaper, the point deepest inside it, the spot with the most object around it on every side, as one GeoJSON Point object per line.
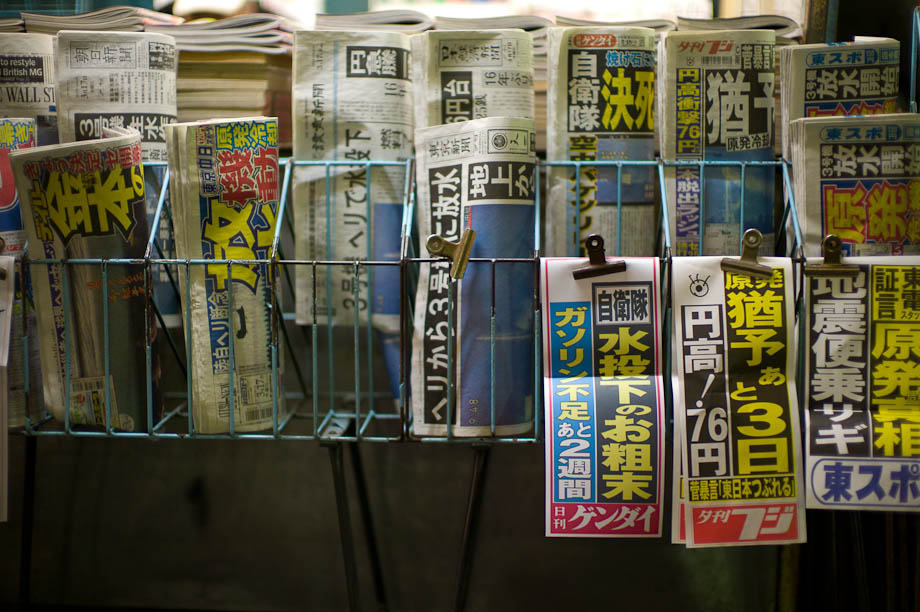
{"type": "Point", "coordinates": [859, 179]}
{"type": "Point", "coordinates": [224, 193]}
{"type": "Point", "coordinates": [716, 103]}
{"type": "Point", "coordinates": [124, 79]}
{"type": "Point", "coordinates": [600, 104]}
{"type": "Point", "coordinates": [352, 102]}
{"type": "Point", "coordinates": [16, 134]}
{"type": "Point", "coordinates": [478, 174]}
{"type": "Point", "coordinates": [27, 83]}
{"type": "Point", "coordinates": [7, 291]}
{"type": "Point", "coordinates": [855, 78]}
{"type": "Point", "coordinates": [86, 200]}
{"type": "Point", "coordinates": [862, 372]}
{"type": "Point", "coordinates": [736, 418]}
{"type": "Point", "coordinates": [463, 75]}
{"type": "Point", "coordinates": [604, 400]}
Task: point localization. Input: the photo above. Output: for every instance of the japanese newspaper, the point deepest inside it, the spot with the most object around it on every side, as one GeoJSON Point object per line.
{"type": "Point", "coordinates": [857, 78]}
{"type": "Point", "coordinates": [604, 400]}
{"type": "Point", "coordinates": [859, 178]}
{"type": "Point", "coordinates": [86, 200]}
{"type": "Point", "coordinates": [7, 290]}
{"type": "Point", "coordinates": [862, 367]}
{"type": "Point", "coordinates": [27, 83]}
{"type": "Point", "coordinates": [116, 79]}
{"type": "Point", "coordinates": [716, 103]}
{"type": "Point", "coordinates": [352, 102]}
{"type": "Point", "coordinates": [736, 419]}
{"type": "Point", "coordinates": [224, 194]}
{"type": "Point", "coordinates": [478, 174]}
{"type": "Point", "coordinates": [463, 75]}
{"type": "Point", "coordinates": [600, 105]}
{"type": "Point", "coordinates": [17, 134]}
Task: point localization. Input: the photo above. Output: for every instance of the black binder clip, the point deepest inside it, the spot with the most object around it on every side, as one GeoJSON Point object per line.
{"type": "Point", "coordinates": [457, 252]}
{"type": "Point", "coordinates": [831, 248]}
{"type": "Point", "coordinates": [750, 246]}
{"type": "Point", "coordinates": [597, 260]}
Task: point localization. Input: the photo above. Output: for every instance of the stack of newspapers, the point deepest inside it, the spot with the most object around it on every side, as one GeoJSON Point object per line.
{"type": "Point", "coordinates": [120, 18]}
{"type": "Point", "coordinates": [234, 67]}
{"type": "Point", "coordinates": [857, 178]}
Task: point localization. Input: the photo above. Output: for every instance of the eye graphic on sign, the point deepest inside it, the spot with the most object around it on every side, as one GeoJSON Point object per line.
{"type": "Point", "coordinates": [699, 286]}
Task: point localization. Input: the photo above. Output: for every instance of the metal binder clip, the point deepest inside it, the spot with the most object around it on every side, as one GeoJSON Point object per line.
{"type": "Point", "coordinates": [831, 248]}
{"type": "Point", "coordinates": [597, 260]}
{"type": "Point", "coordinates": [457, 252]}
{"type": "Point", "coordinates": [750, 245]}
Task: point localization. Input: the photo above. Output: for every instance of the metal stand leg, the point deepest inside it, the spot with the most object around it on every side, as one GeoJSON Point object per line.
{"type": "Point", "coordinates": [370, 535]}
{"type": "Point", "coordinates": [474, 505]}
{"type": "Point", "coordinates": [341, 502]}
{"type": "Point", "coordinates": [28, 519]}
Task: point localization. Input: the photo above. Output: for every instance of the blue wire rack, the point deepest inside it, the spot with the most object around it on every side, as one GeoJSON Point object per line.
{"type": "Point", "coordinates": [329, 400]}
{"type": "Point", "coordinates": [914, 40]}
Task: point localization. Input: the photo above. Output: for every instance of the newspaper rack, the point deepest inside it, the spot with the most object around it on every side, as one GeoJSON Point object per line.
{"type": "Point", "coordinates": [331, 410]}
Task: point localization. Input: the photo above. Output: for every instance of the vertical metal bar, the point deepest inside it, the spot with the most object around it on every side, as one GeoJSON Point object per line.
{"type": "Point", "coordinates": [188, 348]}
{"type": "Point", "coordinates": [481, 454]}
{"type": "Point", "coordinates": [364, 506]}
{"type": "Point", "coordinates": [741, 212]}
{"type": "Point", "coordinates": [369, 273]}
{"type": "Point", "coordinates": [149, 326]}
{"type": "Point", "coordinates": [665, 220]}
{"type": "Point", "coordinates": [699, 246]}
{"type": "Point", "coordinates": [65, 292]}
{"type": "Point", "coordinates": [314, 340]}
{"type": "Point", "coordinates": [538, 183]}
{"type": "Point", "coordinates": [105, 346]}
{"type": "Point", "coordinates": [341, 503]}
{"type": "Point", "coordinates": [451, 338]}
{"type": "Point", "coordinates": [492, 353]}
{"type": "Point", "coordinates": [273, 349]}
{"type": "Point", "coordinates": [357, 341]}
{"type": "Point", "coordinates": [619, 208]}
{"type": "Point", "coordinates": [913, 60]}
{"type": "Point", "coordinates": [537, 347]}
{"type": "Point", "coordinates": [231, 373]}
{"type": "Point", "coordinates": [576, 251]}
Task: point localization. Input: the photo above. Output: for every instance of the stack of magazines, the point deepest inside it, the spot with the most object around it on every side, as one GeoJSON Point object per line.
{"type": "Point", "coordinates": [121, 18]}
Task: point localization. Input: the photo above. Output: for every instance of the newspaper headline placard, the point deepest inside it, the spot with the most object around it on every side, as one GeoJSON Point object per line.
{"type": "Point", "coordinates": [604, 400]}
{"type": "Point", "coordinates": [479, 174]}
{"type": "Point", "coordinates": [862, 367]}
{"type": "Point", "coordinates": [736, 419]}
{"type": "Point", "coordinates": [600, 106]}
{"type": "Point", "coordinates": [716, 103]}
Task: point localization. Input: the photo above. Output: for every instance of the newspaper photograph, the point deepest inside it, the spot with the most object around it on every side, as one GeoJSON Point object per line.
{"type": "Point", "coordinates": [352, 102]}
{"type": "Point", "coordinates": [16, 134]}
{"type": "Point", "coordinates": [716, 102]}
{"type": "Point", "coordinates": [225, 202]}
{"type": "Point", "coordinates": [465, 75]}
{"type": "Point", "coordinates": [86, 200]}
{"type": "Point", "coordinates": [735, 405]}
{"type": "Point", "coordinates": [601, 106]}
{"type": "Point", "coordinates": [27, 83]}
{"type": "Point", "coordinates": [854, 78]}
{"type": "Point", "coordinates": [862, 369]}
{"type": "Point", "coordinates": [859, 179]}
{"type": "Point", "coordinates": [604, 400]}
{"type": "Point", "coordinates": [481, 175]}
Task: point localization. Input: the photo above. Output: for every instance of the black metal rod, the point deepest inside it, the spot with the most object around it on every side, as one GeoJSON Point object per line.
{"type": "Point", "coordinates": [28, 522]}
{"type": "Point", "coordinates": [364, 505]}
{"type": "Point", "coordinates": [473, 508]}
{"type": "Point", "coordinates": [341, 504]}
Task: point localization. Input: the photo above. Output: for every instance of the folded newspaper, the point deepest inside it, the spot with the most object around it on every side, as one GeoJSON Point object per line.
{"type": "Point", "coordinates": [602, 380]}
{"type": "Point", "coordinates": [601, 107]}
{"type": "Point", "coordinates": [86, 200]}
{"type": "Point", "coordinates": [736, 418]}
{"type": "Point", "coordinates": [856, 78]}
{"type": "Point", "coordinates": [858, 178]}
{"type": "Point", "coordinates": [716, 103]}
{"type": "Point", "coordinates": [478, 174]}
{"type": "Point", "coordinates": [224, 194]}
{"type": "Point", "coordinates": [404, 20]}
{"type": "Point", "coordinates": [463, 75]}
{"type": "Point", "coordinates": [17, 134]}
{"type": "Point", "coordinates": [27, 82]}
{"type": "Point", "coordinates": [862, 383]}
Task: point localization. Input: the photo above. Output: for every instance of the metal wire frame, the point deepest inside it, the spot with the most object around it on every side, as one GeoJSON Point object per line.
{"type": "Point", "coordinates": [322, 410]}
{"type": "Point", "coordinates": [914, 40]}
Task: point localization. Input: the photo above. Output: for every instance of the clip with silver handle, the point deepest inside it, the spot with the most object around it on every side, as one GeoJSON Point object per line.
{"type": "Point", "coordinates": [457, 252]}
{"type": "Point", "coordinates": [597, 260]}
{"type": "Point", "coordinates": [750, 247]}
{"type": "Point", "coordinates": [831, 248]}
